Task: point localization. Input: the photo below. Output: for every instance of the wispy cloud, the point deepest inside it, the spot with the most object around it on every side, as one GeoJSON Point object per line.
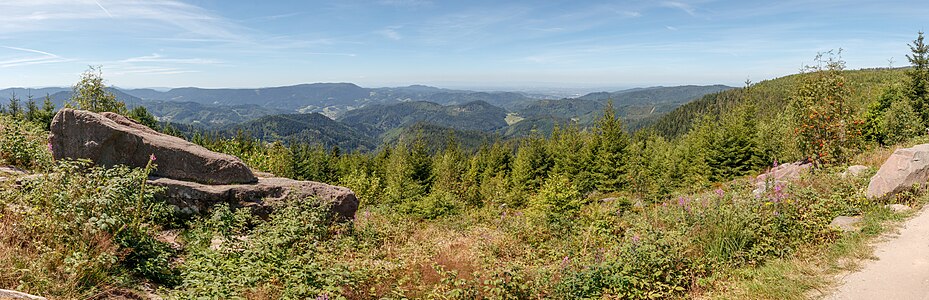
{"type": "Point", "coordinates": [687, 8]}
{"type": "Point", "coordinates": [23, 16]}
{"type": "Point", "coordinates": [405, 2]}
{"type": "Point", "coordinates": [671, 28]}
{"type": "Point", "coordinates": [390, 33]}
{"type": "Point", "coordinates": [42, 57]}
{"type": "Point", "coordinates": [157, 58]}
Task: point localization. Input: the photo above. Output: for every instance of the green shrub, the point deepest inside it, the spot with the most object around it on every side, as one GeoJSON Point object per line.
{"type": "Point", "coordinates": [98, 224]}
{"type": "Point", "coordinates": [23, 144]}
{"type": "Point", "coordinates": [289, 255]}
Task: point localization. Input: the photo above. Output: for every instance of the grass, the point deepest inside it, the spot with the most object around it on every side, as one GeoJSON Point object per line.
{"type": "Point", "coordinates": [814, 272]}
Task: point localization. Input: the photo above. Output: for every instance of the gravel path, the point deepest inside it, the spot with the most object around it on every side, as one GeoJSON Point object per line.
{"type": "Point", "coordinates": [901, 270]}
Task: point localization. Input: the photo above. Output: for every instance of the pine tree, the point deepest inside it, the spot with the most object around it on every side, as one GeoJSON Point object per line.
{"type": "Point", "coordinates": [919, 78]}
{"type": "Point", "coordinates": [610, 161]}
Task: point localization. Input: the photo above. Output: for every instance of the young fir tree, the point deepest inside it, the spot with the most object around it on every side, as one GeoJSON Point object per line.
{"type": "Point", "coordinates": [91, 93]}
{"type": "Point", "coordinates": [919, 78]}
{"type": "Point", "coordinates": [572, 156]}
{"type": "Point", "coordinates": [14, 109]}
{"type": "Point", "coordinates": [611, 143]}
{"type": "Point", "coordinates": [448, 168]}
{"type": "Point", "coordinates": [647, 165]}
{"type": "Point", "coordinates": [421, 162]}
{"type": "Point", "coordinates": [32, 109]}
{"type": "Point", "coordinates": [733, 150]}
{"type": "Point", "coordinates": [399, 185]}
{"type": "Point", "coordinates": [531, 165]}
{"type": "Point", "coordinates": [899, 123]}
{"type": "Point", "coordinates": [140, 114]}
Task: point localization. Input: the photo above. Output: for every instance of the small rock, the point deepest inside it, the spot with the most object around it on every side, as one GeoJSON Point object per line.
{"type": "Point", "coordinates": [11, 170]}
{"type": "Point", "coordinates": [897, 207]}
{"type": "Point", "coordinates": [762, 187]}
{"type": "Point", "coordinates": [854, 171]}
{"type": "Point", "coordinates": [846, 224]}
{"type": "Point", "coordinates": [8, 294]}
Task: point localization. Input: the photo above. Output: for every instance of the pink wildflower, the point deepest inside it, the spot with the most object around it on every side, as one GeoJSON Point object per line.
{"type": "Point", "coordinates": [152, 157]}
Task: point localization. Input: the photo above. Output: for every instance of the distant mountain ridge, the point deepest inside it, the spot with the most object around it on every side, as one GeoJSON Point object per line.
{"type": "Point", "coordinates": [353, 117]}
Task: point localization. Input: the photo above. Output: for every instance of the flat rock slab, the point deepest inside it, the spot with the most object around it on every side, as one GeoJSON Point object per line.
{"type": "Point", "coordinates": [846, 224]}
{"type": "Point", "coordinates": [901, 270]}
{"type": "Point", "coordinates": [110, 139]}
{"type": "Point", "coordinates": [8, 294]}
{"type": "Point", "coordinates": [897, 208]}
{"type": "Point", "coordinates": [904, 168]}
{"type": "Point", "coordinates": [197, 197]}
{"type": "Point", "coordinates": [854, 171]}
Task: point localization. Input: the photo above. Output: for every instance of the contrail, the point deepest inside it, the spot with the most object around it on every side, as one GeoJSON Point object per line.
{"type": "Point", "coordinates": [30, 50]}
{"type": "Point", "coordinates": [103, 8]}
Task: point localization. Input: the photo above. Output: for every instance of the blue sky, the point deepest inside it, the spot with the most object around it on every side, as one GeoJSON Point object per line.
{"type": "Point", "coordinates": [492, 44]}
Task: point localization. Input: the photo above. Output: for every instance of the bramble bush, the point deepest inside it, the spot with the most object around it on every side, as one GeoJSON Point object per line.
{"type": "Point", "coordinates": [80, 229]}
{"type": "Point", "coordinates": [23, 144]}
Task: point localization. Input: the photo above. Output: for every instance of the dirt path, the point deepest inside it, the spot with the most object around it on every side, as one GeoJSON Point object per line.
{"type": "Point", "coordinates": [901, 270]}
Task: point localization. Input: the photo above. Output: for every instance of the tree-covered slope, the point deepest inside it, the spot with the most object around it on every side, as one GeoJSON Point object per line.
{"type": "Point", "coordinates": [478, 115]}
{"type": "Point", "coordinates": [771, 97]}
{"type": "Point", "coordinates": [312, 128]}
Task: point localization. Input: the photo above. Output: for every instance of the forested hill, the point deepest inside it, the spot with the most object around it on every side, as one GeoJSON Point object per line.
{"type": "Point", "coordinates": [478, 115]}
{"type": "Point", "coordinates": [312, 128]}
{"type": "Point", "coordinates": [771, 97]}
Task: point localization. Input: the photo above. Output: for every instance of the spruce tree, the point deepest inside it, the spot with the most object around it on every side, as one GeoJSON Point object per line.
{"type": "Point", "coordinates": [571, 156]}
{"type": "Point", "coordinates": [733, 150]}
{"type": "Point", "coordinates": [399, 186]}
{"type": "Point", "coordinates": [448, 168]}
{"type": "Point", "coordinates": [610, 160]}
{"type": "Point", "coordinates": [531, 165]}
{"type": "Point", "coordinates": [421, 163]}
{"type": "Point", "coordinates": [919, 78]}
{"type": "Point", "coordinates": [15, 109]}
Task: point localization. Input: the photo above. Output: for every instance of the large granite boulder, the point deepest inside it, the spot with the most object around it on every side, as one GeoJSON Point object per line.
{"type": "Point", "coordinates": [195, 197]}
{"type": "Point", "coordinates": [110, 139]}
{"type": "Point", "coordinates": [904, 168]}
